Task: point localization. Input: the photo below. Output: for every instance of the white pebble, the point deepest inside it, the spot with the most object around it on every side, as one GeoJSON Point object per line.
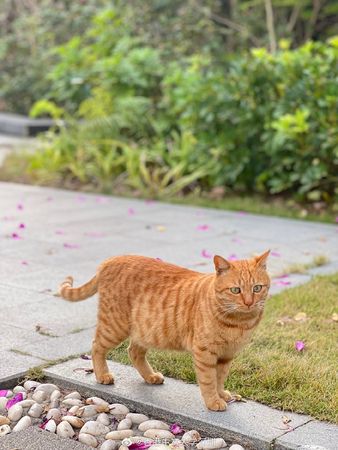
{"type": "Point", "coordinates": [26, 403]}
{"type": "Point", "coordinates": [209, 444]}
{"type": "Point", "coordinates": [39, 396]}
{"type": "Point", "coordinates": [48, 388]}
{"type": "Point", "coordinates": [137, 418]}
{"type": "Point", "coordinates": [153, 425]}
{"type": "Point", "coordinates": [9, 394]}
{"type": "Point", "coordinates": [51, 426]}
{"type": "Point", "coordinates": [4, 429]}
{"type": "Point", "coordinates": [118, 409]}
{"type": "Point", "coordinates": [123, 447]}
{"type": "Point", "coordinates": [87, 411]}
{"type": "Point", "coordinates": [104, 419]}
{"type": "Point", "coordinates": [18, 389]}
{"type": "Point", "coordinates": [30, 384]}
{"type": "Point", "coordinates": [74, 394]}
{"type": "Point", "coordinates": [158, 434]}
{"type": "Point", "coordinates": [191, 436]}
{"type": "Point", "coordinates": [75, 422]}
{"type": "Point", "coordinates": [54, 413]}
{"type": "Point", "coordinates": [73, 410]}
{"type": "Point", "coordinates": [109, 445]}
{"type": "Point", "coordinates": [88, 439]}
{"type": "Point", "coordinates": [97, 401]}
{"type": "Point", "coordinates": [4, 420]}
{"type": "Point", "coordinates": [125, 424]}
{"type": "Point", "coordinates": [55, 395]}
{"type": "Point", "coordinates": [160, 447]}
{"type": "Point", "coordinates": [35, 410]}
{"type": "Point", "coordinates": [64, 429]}
{"type": "Point", "coordinates": [23, 423]}
{"type": "Point", "coordinates": [72, 402]}
{"type": "Point", "coordinates": [15, 413]}
{"type": "Point", "coordinates": [3, 401]}
{"type": "Point", "coordinates": [94, 428]}
{"type": "Point", "coordinates": [177, 444]}
{"type": "Point", "coordinates": [236, 447]}
{"type": "Point", "coordinates": [119, 435]}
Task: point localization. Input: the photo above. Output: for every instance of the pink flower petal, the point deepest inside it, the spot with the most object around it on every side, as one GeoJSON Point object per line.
{"type": "Point", "coordinates": [3, 392]}
{"type": "Point", "coordinates": [299, 346]}
{"type": "Point", "coordinates": [206, 254]}
{"type": "Point", "coordinates": [22, 226]}
{"type": "Point", "coordinates": [101, 200]}
{"type": "Point", "coordinates": [60, 232]}
{"type": "Point", "coordinates": [159, 259]}
{"type": "Point", "coordinates": [44, 423]}
{"type": "Point", "coordinates": [140, 445]}
{"type": "Point", "coordinates": [242, 213]}
{"type": "Point", "coordinates": [276, 254]}
{"type": "Point", "coordinates": [49, 199]}
{"type": "Point", "coordinates": [81, 198]}
{"type": "Point", "coordinates": [131, 211]}
{"type": "Point", "coordinates": [17, 398]}
{"type": "Point", "coordinates": [284, 275]}
{"type": "Point", "coordinates": [149, 201]}
{"type": "Point", "coordinates": [237, 240]}
{"type": "Point", "coordinates": [203, 227]}
{"type": "Point", "coordinates": [19, 206]}
{"type": "Point", "coordinates": [94, 234]}
{"type": "Point", "coordinates": [68, 245]}
{"type": "Point", "coordinates": [336, 219]}
{"type": "Point", "coordinates": [176, 428]}
{"type": "Point", "coordinates": [15, 236]}
{"type": "Point", "coordinates": [281, 283]}
{"type": "Point", "coordinates": [24, 263]}
{"type": "Point", "coordinates": [232, 257]}
{"type": "Point", "coordinates": [88, 357]}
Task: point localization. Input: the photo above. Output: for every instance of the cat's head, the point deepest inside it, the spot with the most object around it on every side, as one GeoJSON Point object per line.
{"type": "Point", "coordinates": [242, 285]}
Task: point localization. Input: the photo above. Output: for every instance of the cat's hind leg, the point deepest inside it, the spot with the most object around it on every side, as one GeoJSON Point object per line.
{"type": "Point", "coordinates": [137, 354]}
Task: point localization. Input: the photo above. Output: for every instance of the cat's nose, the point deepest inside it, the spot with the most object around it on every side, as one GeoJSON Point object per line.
{"type": "Point", "coordinates": [248, 301]}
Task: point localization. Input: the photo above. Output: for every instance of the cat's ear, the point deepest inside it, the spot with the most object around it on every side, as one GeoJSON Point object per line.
{"type": "Point", "coordinates": [221, 264]}
{"type": "Point", "coordinates": [261, 259]}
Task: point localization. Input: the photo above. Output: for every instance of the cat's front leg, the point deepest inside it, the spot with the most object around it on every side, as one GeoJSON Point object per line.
{"type": "Point", "coordinates": [206, 371]}
{"type": "Point", "coordinates": [223, 366]}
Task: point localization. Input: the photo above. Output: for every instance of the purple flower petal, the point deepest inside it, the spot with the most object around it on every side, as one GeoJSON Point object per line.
{"type": "Point", "coordinates": [206, 254]}
{"type": "Point", "coordinates": [101, 200]}
{"type": "Point", "coordinates": [131, 211]}
{"type": "Point", "coordinates": [22, 226]}
{"type": "Point", "coordinates": [72, 246]}
{"type": "Point", "coordinates": [281, 283]}
{"type": "Point", "coordinates": [60, 232]}
{"type": "Point", "coordinates": [49, 199]}
{"type": "Point", "coordinates": [17, 398]}
{"type": "Point", "coordinates": [15, 236]}
{"type": "Point", "coordinates": [149, 201]}
{"type": "Point", "coordinates": [140, 445]}
{"type": "Point", "coordinates": [232, 257]}
{"type": "Point", "coordinates": [299, 346]}
{"type": "Point", "coordinates": [159, 259]}
{"type": "Point", "coordinates": [88, 357]}
{"type": "Point", "coordinates": [3, 393]}
{"type": "Point", "coordinates": [19, 206]}
{"type": "Point", "coordinates": [44, 423]}
{"type": "Point", "coordinates": [204, 227]}
{"type": "Point", "coordinates": [242, 213]}
{"type": "Point", "coordinates": [24, 263]}
{"type": "Point", "coordinates": [81, 198]}
{"type": "Point", "coordinates": [284, 275]}
{"type": "Point", "coordinates": [276, 254]}
{"type": "Point", "coordinates": [176, 428]}
{"type": "Point", "coordinates": [336, 219]}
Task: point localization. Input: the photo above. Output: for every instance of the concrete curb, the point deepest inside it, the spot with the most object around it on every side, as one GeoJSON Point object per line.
{"type": "Point", "coordinates": [253, 425]}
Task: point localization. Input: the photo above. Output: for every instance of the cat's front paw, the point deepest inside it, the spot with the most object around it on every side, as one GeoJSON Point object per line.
{"type": "Point", "coordinates": [155, 378]}
{"type": "Point", "coordinates": [106, 378]}
{"type": "Point", "coordinates": [216, 405]}
{"type": "Point", "coordinates": [225, 395]}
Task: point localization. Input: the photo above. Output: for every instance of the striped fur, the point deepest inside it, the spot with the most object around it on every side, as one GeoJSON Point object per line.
{"type": "Point", "coordinates": [160, 305]}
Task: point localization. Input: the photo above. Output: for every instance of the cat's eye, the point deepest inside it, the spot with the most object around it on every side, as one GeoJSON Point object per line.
{"type": "Point", "coordinates": [235, 290]}
{"type": "Point", "coordinates": [257, 288]}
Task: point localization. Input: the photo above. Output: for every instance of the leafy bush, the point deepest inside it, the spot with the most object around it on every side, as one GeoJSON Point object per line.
{"type": "Point", "coordinates": [256, 123]}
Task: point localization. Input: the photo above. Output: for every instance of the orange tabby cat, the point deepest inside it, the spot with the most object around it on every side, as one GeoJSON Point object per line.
{"type": "Point", "coordinates": [160, 305]}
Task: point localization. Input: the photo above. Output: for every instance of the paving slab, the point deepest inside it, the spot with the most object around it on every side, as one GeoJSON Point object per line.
{"type": "Point", "coordinates": [35, 439]}
{"type": "Point", "coordinates": [253, 425]}
{"type": "Point", "coordinates": [14, 363]}
{"type": "Point", "coordinates": [314, 435]}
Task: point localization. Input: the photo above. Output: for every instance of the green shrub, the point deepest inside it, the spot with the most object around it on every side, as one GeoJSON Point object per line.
{"type": "Point", "coordinates": [254, 123]}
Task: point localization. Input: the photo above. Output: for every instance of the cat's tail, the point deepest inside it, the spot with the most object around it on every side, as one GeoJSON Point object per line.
{"type": "Point", "coordinates": [67, 291]}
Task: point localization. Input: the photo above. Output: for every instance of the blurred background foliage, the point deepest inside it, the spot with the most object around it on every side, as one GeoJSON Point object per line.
{"type": "Point", "coordinates": [167, 97]}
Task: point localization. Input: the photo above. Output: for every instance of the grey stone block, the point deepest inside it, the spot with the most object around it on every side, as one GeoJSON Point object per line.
{"type": "Point", "coordinates": [35, 439]}
{"type": "Point", "coordinates": [13, 363]}
{"type": "Point", "coordinates": [18, 125]}
{"type": "Point", "coordinates": [314, 435]}
{"type": "Point", "coordinates": [251, 424]}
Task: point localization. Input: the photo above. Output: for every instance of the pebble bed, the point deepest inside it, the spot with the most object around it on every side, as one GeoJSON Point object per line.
{"type": "Point", "coordinates": [93, 421]}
